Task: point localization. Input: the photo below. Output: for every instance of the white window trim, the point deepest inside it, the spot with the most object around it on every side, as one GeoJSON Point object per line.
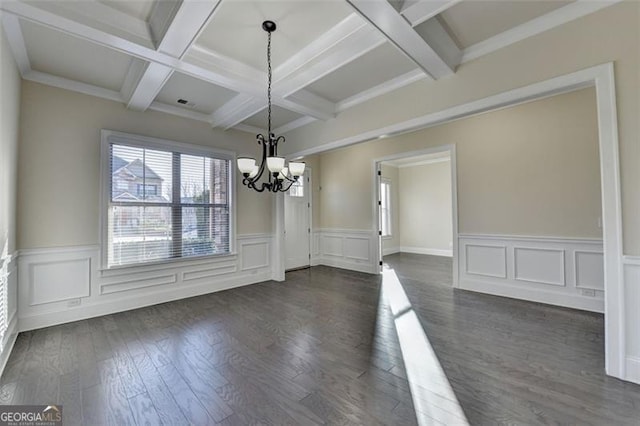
{"type": "Point", "coordinates": [108, 137]}
{"type": "Point", "coordinates": [387, 181]}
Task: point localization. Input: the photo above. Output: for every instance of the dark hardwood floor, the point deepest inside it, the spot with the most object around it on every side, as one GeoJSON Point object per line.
{"type": "Point", "coordinates": [328, 346]}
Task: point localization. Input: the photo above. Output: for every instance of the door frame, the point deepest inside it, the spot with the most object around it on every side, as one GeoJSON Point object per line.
{"type": "Point", "coordinates": [309, 192]}
{"type": "Point", "coordinates": [376, 165]}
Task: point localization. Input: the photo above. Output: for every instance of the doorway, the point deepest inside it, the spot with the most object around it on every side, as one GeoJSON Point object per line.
{"type": "Point", "coordinates": [297, 223]}
{"type": "Point", "coordinates": [414, 218]}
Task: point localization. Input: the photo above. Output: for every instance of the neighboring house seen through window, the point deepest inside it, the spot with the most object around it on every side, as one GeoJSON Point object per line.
{"type": "Point", "coordinates": [166, 204]}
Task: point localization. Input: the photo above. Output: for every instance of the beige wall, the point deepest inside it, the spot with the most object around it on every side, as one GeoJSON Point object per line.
{"type": "Point", "coordinates": [532, 169]}
{"type": "Point", "coordinates": [59, 163]}
{"type": "Point", "coordinates": [612, 34]}
{"type": "Point", "coordinates": [9, 118]}
{"type": "Point", "coordinates": [391, 173]}
{"type": "Point", "coordinates": [425, 206]}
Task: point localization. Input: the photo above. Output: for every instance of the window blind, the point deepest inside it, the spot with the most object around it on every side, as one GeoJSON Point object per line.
{"type": "Point", "coordinates": [166, 204]}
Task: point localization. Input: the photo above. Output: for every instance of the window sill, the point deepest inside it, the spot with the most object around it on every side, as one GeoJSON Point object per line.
{"type": "Point", "coordinates": [165, 263]}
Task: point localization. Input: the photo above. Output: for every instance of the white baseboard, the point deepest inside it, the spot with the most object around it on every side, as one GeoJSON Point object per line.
{"type": "Point", "coordinates": [429, 251]}
{"type": "Point", "coordinates": [633, 369]}
{"type": "Point", "coordinates": [129, 303]}
{"type": "Point", "coordinates": [390, 250]}
{"type": "Point", "coordinates": [352, 266]}
{"type": "Point", "coordinates": [534, 295]}
{"type": "Point", "coordinates": [8, 342]}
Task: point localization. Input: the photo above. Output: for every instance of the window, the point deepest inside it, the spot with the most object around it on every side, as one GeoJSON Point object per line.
{"type": "Point", "coordinates": [297, 188]}
{"type": "Point", "coordinates": [385, 207]}
{"type": "Point", "coordinates": [146, 189]}
{"type": "Point", "coordinates": [165, 201]}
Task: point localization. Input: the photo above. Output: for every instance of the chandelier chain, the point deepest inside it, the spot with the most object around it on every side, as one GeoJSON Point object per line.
{"type": "Point", "coordinates": [269, 85]}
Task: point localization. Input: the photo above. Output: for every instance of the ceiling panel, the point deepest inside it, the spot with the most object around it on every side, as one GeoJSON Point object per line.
{"type": "Point", "coordinates": [279, 117]}
{"type": "Point", "coordinates": [140, 9]}
{"type": "Point", "coordinates": [126, 19]}
{"type": "Point", "coordinates": [65, 56]}
{"type": "Point", "coordinates": [204, 96]}
{"type": "Point", "coordinates": [236, 31]}
{"type": "Point", "coordinates": [472, 21]}
{"type": "Point", "coordinates": [371, 69]}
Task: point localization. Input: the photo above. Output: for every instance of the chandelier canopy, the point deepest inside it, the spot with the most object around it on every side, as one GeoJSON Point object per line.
{"type": "Point", "coordinates": [279, 176]}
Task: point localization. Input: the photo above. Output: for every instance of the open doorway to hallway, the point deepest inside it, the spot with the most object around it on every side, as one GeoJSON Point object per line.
{"type": "Point", "coordinates": [416, 206]}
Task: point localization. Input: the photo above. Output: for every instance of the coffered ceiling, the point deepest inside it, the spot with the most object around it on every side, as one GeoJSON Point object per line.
{"type": "Point", "coordinates": [206, 59]}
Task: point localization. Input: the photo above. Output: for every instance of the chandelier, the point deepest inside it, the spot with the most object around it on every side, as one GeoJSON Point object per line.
{"type": "Point", "coordinates": [278, 179]}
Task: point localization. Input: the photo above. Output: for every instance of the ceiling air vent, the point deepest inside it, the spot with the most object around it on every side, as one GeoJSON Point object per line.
{"type": "Point", "coordinates": [186, 103]}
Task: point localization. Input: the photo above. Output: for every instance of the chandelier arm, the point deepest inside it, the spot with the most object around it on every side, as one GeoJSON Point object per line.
{"type": "Point", "coordinates": [264, 158]}
{"type": "Point", "coordinates": [283, 189]}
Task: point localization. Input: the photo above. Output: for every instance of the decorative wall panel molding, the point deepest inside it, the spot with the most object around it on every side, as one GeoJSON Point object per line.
{"type": "Point", "coordinates": [345, 248]}
{"type": "Point", "coordinates": [58, 285]}
{"type": "Point", "coordinates": [539, 265]}
{"type": "Point", "coordinates": [631, 269]}
{"type": "Point", "coordinates": [488, 260]}
{"type": "Point", "coordinates": [558, 271]}
{"type": "Point", "coordinates": [8, 313]}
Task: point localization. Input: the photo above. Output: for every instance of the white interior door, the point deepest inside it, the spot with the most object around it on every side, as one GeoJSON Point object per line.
{"type": "Point", "coordinates": [297, 228]}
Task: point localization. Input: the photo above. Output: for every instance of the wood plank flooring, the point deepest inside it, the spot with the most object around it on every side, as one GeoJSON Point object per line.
{"type": "Point", "coordinates": [323, 348]}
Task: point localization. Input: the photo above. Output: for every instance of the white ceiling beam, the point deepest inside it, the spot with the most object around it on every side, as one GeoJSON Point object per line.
{"type": "Point", "coordinates": [307, 103]}
{"type": "Point", "coordinates": [381, 89]}
{"type": "Point", "coordinates": [73, 85]}
{"type": "Point", "coordinates": [298, 122]}
{"type": "Point", "coordinates": [348, 40]}
{"type": "Point", "coordinates": [250, 129]}
{"type": "Point", "coordinates": [418, 11]}
{"type": "Point", "coordinates": [227, 78]}
{"type": "Point", "coordinates": [161, 16]}
{"type": "Point", "coordinates": [187, 23]}
{"type": "Point", "coordinates": [102, 16]}
{"type": "Point", "coordinates": [235, 111]}
{"type": "Point", "coordinates": [382, 15]}
{"type": "Point", "coordinates": [13, 30]}
{"type": "Point", "coordinates": [351, 47]}
{"type": "Point", "coordinates": [149, 85]}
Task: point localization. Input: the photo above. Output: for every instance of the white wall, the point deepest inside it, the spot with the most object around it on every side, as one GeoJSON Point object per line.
{"type": "Point", "coordinates": [10, 83]}
{"type": "Point", "coordinates": [425, 209]}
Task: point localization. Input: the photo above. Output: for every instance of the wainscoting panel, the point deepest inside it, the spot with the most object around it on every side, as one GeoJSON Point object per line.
{"type": "Point", "coordinates": [332, 245]}
{"type": "Point", "coordinates": [55, 281]}
{"type": "Point", "coordinates": [255, 253]}
{"type": "Point", "coordinates": [58, 285]}
{"type": "Point", "coordinates": [8, 306]}
{"type": "Point", "coordinates": [345, 248]}
{"type": "Point", "coordinates": [631, 267]}
{"type": "Point", "coordinates": [589, 269]}
{"type": "Point", "coordinates": [536, 265]}
{"type": "Point", "coordinates": [558, 271]}
{"type": "Point", "coordinates": [486, 260]}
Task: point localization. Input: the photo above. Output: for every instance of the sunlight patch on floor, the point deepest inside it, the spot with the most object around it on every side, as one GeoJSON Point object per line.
{"type": "Point", "coordinates": [433, 398]}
